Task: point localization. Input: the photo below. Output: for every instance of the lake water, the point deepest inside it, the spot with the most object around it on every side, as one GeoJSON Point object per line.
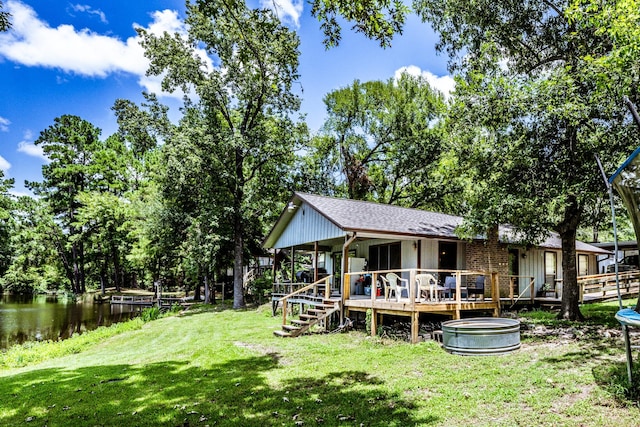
{"type": "Point", "coordinates": [44, 317]}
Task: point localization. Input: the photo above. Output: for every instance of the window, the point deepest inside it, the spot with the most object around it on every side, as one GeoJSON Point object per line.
{"type": "Point", "coordinates": [448, 255]}
{"type": "Point", "coordinates": [583, 265]}
{"type": "Point", "coordinates": [385, 257]}
{"type": "Point", "coordinates": [550, 263]}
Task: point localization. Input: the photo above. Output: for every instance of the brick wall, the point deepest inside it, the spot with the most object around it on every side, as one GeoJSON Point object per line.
{"type": "Point", "coordinates": [489, 255]}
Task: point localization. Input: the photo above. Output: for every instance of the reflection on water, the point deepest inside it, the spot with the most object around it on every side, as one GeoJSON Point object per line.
{"type": "Point", "coordinates": [45, 317]}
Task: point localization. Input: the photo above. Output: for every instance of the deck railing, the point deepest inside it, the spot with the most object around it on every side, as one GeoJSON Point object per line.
{"type": "Point", "coordinates": [603, 285]}
{"type": "Point", "coordinates": [312, 289]}
{"type": "Point", "coordinates": [515, 294]}
{"type": "Point", "coordinates": [490, 287]}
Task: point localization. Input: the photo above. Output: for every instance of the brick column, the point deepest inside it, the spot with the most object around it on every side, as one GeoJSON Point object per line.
{"type": "Point", "coordinates": [490, 255]}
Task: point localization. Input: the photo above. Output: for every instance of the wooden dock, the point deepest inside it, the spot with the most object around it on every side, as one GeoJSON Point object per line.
{"type": "Point", "coordinates": [148, 300]}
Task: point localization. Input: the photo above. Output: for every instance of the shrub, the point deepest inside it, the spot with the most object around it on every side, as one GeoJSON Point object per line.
{"type": "Point", "coordinates": [149, 314]}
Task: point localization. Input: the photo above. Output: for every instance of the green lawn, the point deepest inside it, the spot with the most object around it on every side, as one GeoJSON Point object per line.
{"type": "Point", "coordinates": [226, 368]}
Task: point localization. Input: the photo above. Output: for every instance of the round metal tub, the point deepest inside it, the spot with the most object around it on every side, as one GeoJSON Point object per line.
{"type": "Point", "coordinates": [482, 336]}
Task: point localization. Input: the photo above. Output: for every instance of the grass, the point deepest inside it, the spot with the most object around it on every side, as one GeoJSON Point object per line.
{"type": "Point", "coordinates": [226, 368]}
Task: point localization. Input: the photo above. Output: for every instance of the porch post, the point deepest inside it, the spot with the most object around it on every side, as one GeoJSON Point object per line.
{"type": "Point", "coordinates": [315, 261]}
{"type": "Point", "coordinates": [415, 326]}
{"type": "Point", "coordinates": [273, 267]}
{"type": "Point", "coordinates": [495, 293]}
{"type": "Point", "coordinates": [345, 268]}
{"type": "Point", "coordinates": [374, 322]}
{"type": "Point", "coordinates": [459, 294]}
{"type": "Point", "coordinates": [293, 265]}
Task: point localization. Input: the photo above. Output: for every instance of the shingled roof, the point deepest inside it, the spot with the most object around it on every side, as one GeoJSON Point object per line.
{"type": "Point", "coordinates": [357, 215]}
{"type": "Point", "coordinates": [369, 217]}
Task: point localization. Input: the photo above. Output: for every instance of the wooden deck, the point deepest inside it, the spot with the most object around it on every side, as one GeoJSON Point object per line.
{"type": "Point", "coordinates": [592, 289]}
{"type": "Point", "coordinates": [405, 307]}
{"type": "Point", "coordinates": [412, 306]}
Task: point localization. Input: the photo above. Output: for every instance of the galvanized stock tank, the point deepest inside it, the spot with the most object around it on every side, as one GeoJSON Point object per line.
{"type": "Point", "coordinates": [481, 336]}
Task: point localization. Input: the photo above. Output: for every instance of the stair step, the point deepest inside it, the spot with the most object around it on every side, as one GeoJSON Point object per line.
{"type": "Point", "coordinates": [281, 334]}
{"type": "Point", "coordinates": [326, 306]}
{"type": "Point", "coordinates": [308, 317]}
{"type": "Point", "coordinates": [316, 311]}
{"type": "Point", "coordinates": [290, 328]}
{"type": "Point", "coordinates": [300, 322]}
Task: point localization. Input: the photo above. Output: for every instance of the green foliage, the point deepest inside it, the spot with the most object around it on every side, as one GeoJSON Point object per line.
{"type": "Point", "coordinates": [261, 287]}
{"type": "Point", "coordinates": [226, 163]}
{"type": "Point", "coordinates": [34, 263]}
{"type": "Point", "coordinates": [377, 19]}
{"type": "Point", "coordinates": [367, 321]}
{"type": "Point", "coordinates": [37, 351]}
{"type": "Point", "coordinates": [382, 141]}
{"type": "Point", "coordinates": [150, 314]}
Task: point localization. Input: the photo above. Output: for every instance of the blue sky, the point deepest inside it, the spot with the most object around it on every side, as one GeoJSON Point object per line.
{"type": "Point", "coordinates": [64, 57]}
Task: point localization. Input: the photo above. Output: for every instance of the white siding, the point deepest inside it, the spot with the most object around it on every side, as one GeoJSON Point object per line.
{"type": "Point", "coordinates": [306, 226]}
{"type": "Point", "coordinates": [429, 256]}
{"type": "Point", "coordinates": [533, 265]}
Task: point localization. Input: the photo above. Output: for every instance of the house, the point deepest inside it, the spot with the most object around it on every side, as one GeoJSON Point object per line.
{"type": "Point", "coordinates": [349, 239]}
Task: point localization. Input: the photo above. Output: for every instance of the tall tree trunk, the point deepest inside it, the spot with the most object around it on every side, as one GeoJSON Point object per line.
{"type": "Point", "coordinates": [238, 261]}
{"type": "Point", "coordinates": [117, 274]}
{"type": "Point", "coordinates": [83, 276]}
{"type": "Point", "coordinates": [206, 289]}
{"type": "Point", "coordinates": [76, 268]}
{"type": "Point", "coordinates": [570, 304]}
{"type": "Point", "coordinates": [196, 290]}
{"type": "Point", "coordinates": [238, 231]}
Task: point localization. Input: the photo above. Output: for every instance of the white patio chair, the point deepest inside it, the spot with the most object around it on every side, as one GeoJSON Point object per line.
{"type": "Point", "coordinates": [426, 283]}
{"type": "Point", "coordinates": [394, 283]}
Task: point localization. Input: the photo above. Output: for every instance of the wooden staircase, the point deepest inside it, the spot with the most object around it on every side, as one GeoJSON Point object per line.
{"type": "Point", "coordinates": [315, 315]}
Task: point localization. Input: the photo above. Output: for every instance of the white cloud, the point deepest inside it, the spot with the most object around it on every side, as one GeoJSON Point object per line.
{"type": "Point", "coordinates": [32, 42]}
{"type": "Point", "coordinates": [444, 84]}
{"type": "Point", "coordinates": [91, 11]}
{"type": "Point", "coordinates": [165, 20]}
{"type": "Point", "coordinates": [4, 164]}
{"type": "Point", "coordinates": [4, 124]}
{"type": "Point", "coordinates": [30, 149]}
{"type": "Point", "coordinates": [289, 11]}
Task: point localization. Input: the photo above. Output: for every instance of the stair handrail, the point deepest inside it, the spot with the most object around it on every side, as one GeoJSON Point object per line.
{"type": "Point", "coordinates": [299, 291]}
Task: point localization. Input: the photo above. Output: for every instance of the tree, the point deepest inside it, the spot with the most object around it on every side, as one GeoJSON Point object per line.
{"type": "Point", "coordinates": [382, 141]}
{"type": "Point", "coordinates": [34, 261]}
{"type": "Point", "coordinates": [70, 144]}
{"type": "Point", "coordinates": [6, 209]}
{"type": "Point", "coordinates": [5, 23]}
{"type": "Point", "coordinates": [525, 62]}
{"type": "Point", "coordinates": [536, 116]}
{"type": "Point", "coordinates": [241, 64]}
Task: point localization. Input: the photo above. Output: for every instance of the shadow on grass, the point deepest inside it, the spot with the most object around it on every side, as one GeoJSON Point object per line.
{"type": "Point", "coordinates": [227, 394]}
{"type": "Point", "coordinates": [610, 375]}
{"type": "Point", "coordinates": [613, 378]}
